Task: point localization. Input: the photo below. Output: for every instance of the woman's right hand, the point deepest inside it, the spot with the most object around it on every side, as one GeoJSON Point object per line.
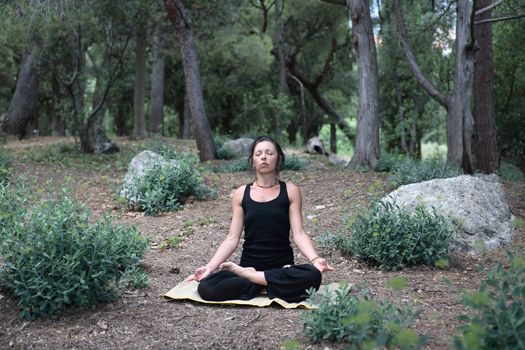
{"type": "Point", "coordinates": [201, 273]}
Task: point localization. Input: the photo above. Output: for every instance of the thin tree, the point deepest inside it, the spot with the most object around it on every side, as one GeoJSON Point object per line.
{"type": "Point", "coordinates": [367, 140]}
{"type": "Point", "coordinates": [139, 118]}
{"type": "Point", "coordinates": [23, 106]}
{"type": "Point", "coordinates": [458, 101]}
{"type": "Point", "coordinates": [157, 82]}
{"type": "Point", "coordinates": [181, 20]}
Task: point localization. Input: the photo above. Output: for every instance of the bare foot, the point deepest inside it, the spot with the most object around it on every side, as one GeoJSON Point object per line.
{"type": "Point", "coordinates": [236, 269]}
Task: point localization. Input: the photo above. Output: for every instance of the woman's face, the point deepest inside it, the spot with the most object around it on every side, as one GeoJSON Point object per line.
{"type": "Point", "coordinates": [265, 157]}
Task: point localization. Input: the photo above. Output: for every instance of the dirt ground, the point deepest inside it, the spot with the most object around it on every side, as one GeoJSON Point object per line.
{"type": "Point", "coordinates": [141, 319]}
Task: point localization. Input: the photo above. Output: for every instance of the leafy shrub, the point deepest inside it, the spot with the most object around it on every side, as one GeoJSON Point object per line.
{"type": "Point", "coordinates": [5, 166]}
{"type": "Point", "coordinates": [392, 237]}
{"type": "Point", "coordinates": [163, 148]}
{"type": "Point", "coordinates": [54, 257]}
{"type": "Point", "coordinates": [225, 152]}
{"type": "Point", "coordinates": [166, 187]}
{"type": "Point", "coordinates": [361, 322]}
{"type": "Point", "coordinates": [409, 171]}
{"type": "Point", "coordinates": [510, 172]}
{"type": "Point", "coordinates": [388, 162]}
{"type": "Point", "coordinates": [232, 166]}
{"type": "Point", "coordinates": [137, 278]}
{"type": "Point", "coordinates": [499, 305]}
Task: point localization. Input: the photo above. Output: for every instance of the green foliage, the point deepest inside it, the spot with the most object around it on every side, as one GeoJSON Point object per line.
{"type": "Point", "coordinates": [392, 237]}
{"type": "Point", "coordinates": [167, 186]}
{"type": "Point", "coordinates": [361, 322]}
{"type": "Point", "coordinates": [171, 242]}
{"type": "Point", "coordinates": [410, 171]}
{"type": "Point", "coordinates": [54, 256]}
{"type": "Point", "coordinates": [498, 321]}
{"type": "Point", "coordinates": [5, 167]}
{"type": "Point", "coordinates": [510, 172]}
{"type": "Point", "coordinates": [509, 83]}
{"type": "Point", "coordinates": [388, 162]}
{"type": "Point", "coordinates": [163, 148]}
{"type": "Point", "coordinates": [137, 278]}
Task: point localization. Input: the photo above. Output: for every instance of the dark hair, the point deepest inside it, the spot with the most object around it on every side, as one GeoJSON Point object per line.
{"type": "Point", "coordinates": [280, 153]}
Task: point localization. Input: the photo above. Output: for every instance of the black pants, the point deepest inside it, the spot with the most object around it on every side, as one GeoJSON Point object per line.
{"type": "Point", "coordinates": [287, 283]}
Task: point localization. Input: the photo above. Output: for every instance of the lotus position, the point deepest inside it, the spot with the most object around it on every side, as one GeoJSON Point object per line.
{"type": "Point", "coordinates": [267, 210]}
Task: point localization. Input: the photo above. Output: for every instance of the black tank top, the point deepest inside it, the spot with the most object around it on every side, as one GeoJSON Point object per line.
{"type": "Point", "coordinates": [266, 231]}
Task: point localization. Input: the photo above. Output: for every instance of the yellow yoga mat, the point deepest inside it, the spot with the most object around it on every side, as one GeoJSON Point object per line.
{"type": "Point", "coordinates": [187, 290]}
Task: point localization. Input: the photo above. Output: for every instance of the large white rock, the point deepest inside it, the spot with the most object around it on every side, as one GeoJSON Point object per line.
{"type": "Point", "coordinates": [240, 147]}
{"type": "Point", "coordinates": [315, 145]}
{"type": "Point", "coordinates": [138, 167]}
{"type": "Point", "coordinates": [475, 205]}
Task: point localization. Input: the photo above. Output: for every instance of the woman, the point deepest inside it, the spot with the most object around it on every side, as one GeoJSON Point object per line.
{"type": "Point", "coordinates": [267, 209]}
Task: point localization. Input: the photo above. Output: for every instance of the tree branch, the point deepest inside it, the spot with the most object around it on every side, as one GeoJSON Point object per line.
{"type": "Point", "coordinates": [499, 19]}
{"type": "Point", "coordinates": [416, 70]}
{"type": "Point", "coordinates": [336, 2]}
{"type": "Point", "coordinates": [488, 8]}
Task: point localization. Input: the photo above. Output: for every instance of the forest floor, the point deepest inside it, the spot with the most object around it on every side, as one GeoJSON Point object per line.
{"type": "Point", "coordinates": [142, 319]}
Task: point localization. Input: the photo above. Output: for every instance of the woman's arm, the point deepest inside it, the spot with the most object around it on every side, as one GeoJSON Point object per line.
{"type": "Point", "coordinates": [299, 236]}
{"type": "Point", "coordinates": [230, 243]}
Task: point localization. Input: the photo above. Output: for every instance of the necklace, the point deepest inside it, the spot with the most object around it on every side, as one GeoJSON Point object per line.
{"type": "Point", "coordinates": [269, 186]}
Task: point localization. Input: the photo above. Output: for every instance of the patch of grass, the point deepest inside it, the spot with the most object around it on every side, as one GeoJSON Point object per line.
{"type": "Point", "coordinates": [5, 166]}
{"type": "Point", "coordinates": [170, 243]}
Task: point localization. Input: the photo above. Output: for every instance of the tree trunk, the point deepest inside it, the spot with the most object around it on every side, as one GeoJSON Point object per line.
{"type": "Point", "coordinates": [139, 119]}
{"type": "Point", "coordinates": [281, 54]}
{"type": "Point", "coordinates": [157, 82]}
{"type": "Point", "coordinates": [459, 114]}
{"type": "Point", "coordinates": [24, 103]}
{"type": "Point", "coordinates": [333, 138]}
{"type": "Point", "coordinates": [58, 124]}
{"type": "Point", "coordinates": [486, 148]}
{"type": "Point", "coordinates": [460, 122]}
{"type": "Point", "coordinates": [186, 119]}
{"type": "Point", "coordinates": [201, 126]}
{"type": "Point", "coordinates": [367, 139]}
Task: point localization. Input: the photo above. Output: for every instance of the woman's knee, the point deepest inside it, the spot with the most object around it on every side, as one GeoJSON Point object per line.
{"type": "Point", "coordinates": [313, 276]}
{"type": "Point", "coordinates": [206, 291]}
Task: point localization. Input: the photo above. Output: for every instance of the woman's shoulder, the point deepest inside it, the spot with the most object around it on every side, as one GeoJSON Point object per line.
{"type": "Point", "coordinates": [292, 189]}
{"type": "Point", "coordinates": [239, 192]}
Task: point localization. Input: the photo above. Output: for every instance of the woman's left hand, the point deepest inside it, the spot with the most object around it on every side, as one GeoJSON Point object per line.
{"type": "Point", "coordinates": [322, 265]}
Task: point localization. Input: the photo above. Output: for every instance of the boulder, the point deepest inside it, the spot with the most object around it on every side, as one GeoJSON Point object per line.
{"type": "Point", "coordinates": [138, 167]}
{"type": "Point", "coordinates": [315, 146]}
{"type": "Point", "coordinates": [337, 161]}
{"type": "Point", "coordinates": [475, 205]}
{"type": "Point", "coordinates": [240, 147]}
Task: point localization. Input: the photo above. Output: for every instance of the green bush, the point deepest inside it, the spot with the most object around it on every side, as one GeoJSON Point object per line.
{"type": "Point", "coordinates": [361, 322]}
{"type": "Point", "coordinates": [510, 172]}
{"type": "Point", "coordinates": [54, 256]}
{"type": "Point", "coordinates": [5, 166]}
{"type": "Point", "coordinates": [388, 162]}
{"type": "Point", "coordinates": [225, 152]}
{"type": "Point", "coordinates": [392, 237]}
{"type": "Point", "coordinates": [162, 148]}
{"type": "Point", "coordinates": [166, 187]}
{"type": "Point", "coordinates": [409, 171]}
{"type": "Point", "coordinates": [498, 321]}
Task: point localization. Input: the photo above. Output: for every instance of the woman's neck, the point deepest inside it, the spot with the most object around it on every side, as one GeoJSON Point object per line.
{"type": "Point", "coordinates": [266, 181]}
